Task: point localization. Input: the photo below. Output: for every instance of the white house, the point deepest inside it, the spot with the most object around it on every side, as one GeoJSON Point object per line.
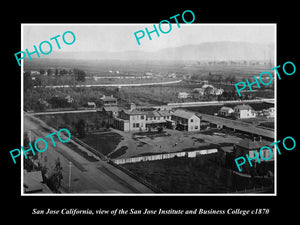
{"type": "Point", "coordinates": [207, 85]}
{"type": "Point", "coordinates": [185, 120]}
{"type": "Point", "coordinates": [218, 91]}
{"type": "Point", "coordinates": [269, 113]}
{"type": "Point", "coordinates": [183, 95]}
{"type": "Point", "coordinates": [244, 112]}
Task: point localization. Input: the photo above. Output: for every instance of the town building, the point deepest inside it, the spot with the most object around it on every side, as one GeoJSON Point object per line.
{"type": "Point", "coordinates": [109, 100]}
{"type": "Point", "coordinates": [269, 113]}
{"type": "Point", "coordinates": [226, 111]}
{"type": "Point", "coordinates": [112, 111]}
{"type": "Point", "coordinates": [160, 118]}
{"type": "Point", "coordinates": [186, 121]}
{"type": "Point", "coordinates": [244, 112]}
{"type": "Point", "coordinates": [69, 99]}
{"type": "Point", "coordinates": [91, 105]}
{"type": "Point", "coordinates": [183, 95]}
{"type": "Point", "coordinates": [130, 120]}
{"type": "Point", "coordinates": [247, 146]}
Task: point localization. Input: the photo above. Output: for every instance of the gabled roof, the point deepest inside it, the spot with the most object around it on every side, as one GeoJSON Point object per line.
{"type": "Point", "coordinates": [224, 108]}
{"type": "Point", "coordinates": [134, 112]}
{"type": "Point", "coordinates": [164, 113]}
{"type": "Point", "coordinates": [252, 145]}
{"type": "Point", "coordinates": [108, 98]}
{"type": "Point", "coordinates": [111, 108]}
{"type": "Point", "coordinates": [153, 114]}
{"type": "Point", "coordinates": [183, 114]}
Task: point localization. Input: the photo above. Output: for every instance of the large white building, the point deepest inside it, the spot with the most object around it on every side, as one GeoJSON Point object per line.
{"type": "Point", "coordinates": [186, 121]}
{"type": "Point", "coordinates": [244, 112]}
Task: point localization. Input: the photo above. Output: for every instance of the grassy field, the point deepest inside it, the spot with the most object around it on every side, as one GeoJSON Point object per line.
{"type": "Point", "coordinates": [197, 175]}
{"type": "Point", "coordinates": [103, 141]}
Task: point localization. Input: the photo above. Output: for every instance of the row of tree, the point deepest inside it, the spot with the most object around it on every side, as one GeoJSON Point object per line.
{"type": "Point", "coordinates": [216, 78]}
{"type": "Point", "coordinates": [79, 76]}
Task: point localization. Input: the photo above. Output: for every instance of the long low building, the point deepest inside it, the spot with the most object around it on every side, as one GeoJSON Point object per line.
{"type": "Point", "coordinates": [237, 125]}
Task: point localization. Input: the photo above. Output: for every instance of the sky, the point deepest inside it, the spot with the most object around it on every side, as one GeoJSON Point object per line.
{"type": "Point", "coordinates": [120, 37]}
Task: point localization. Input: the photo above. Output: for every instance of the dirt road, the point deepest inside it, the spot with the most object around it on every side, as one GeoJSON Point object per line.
{"type": "Point", "coordinates": [88, 176]}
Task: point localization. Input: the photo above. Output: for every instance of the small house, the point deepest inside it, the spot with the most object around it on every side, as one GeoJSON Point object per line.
{"type": "Point", "coordinates": [244, 112]}
{"type": "Point", "coordinates": [226, 111]}
{"type": "Point", "coordinates": [112, 111]}
{"type": "Point", "coordinates": [91, 105]}
{"type": "Point", "coordinates": [109, 100]}
{"type": "Point", "coordinates": [183, 95]}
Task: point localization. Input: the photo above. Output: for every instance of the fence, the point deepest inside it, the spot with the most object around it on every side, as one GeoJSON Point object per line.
{"type": "Point", "coordinates": [100, 155]}
{"type": "Point", "coordinates": [189, 154]}
{"type": "Point", "coordinates": [191, 104]}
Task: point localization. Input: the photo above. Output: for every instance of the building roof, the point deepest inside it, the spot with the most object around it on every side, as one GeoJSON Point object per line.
{"type": "Point", "coordinates": [153, 114]}
{"type": "Point", "coordinates": [134, 112]}
{"type": "Point", "coordinates": [108, 98]}
{"type": "Point", "coordinates": [243, 107]}
{"type": "Point", "coordinates": [224, 108]}
{"type": "Point", "coordinates": [183, 114]}
{"type": "Point", "coordinates": [251, 144]}
{"type": "Point", "coordinates": [111, 108]}
{"type": "Point", "coordinates": [164, 113]}
{"type": "Point", "coordinates": [33, 182]}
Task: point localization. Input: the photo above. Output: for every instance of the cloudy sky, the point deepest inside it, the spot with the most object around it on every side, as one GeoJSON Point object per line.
{"type": "Point", "coordinates": [120, 37]}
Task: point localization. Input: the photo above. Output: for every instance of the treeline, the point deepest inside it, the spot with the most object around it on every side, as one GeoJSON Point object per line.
{"type": "Point", "coordinates": [216, 78]}
{"type": "Point", "coordinates": [63, 77]}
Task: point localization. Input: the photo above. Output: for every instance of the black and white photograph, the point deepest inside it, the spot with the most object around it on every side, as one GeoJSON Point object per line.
{"type": "Point", "coordinates": [175, 109]}
{"type": "Point", "coordinates": [145, 112]}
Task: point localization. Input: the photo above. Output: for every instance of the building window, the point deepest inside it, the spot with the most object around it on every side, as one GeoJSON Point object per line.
{"type": "Point", "coordinates": [142, 117]}
{"type": "Point", "coordinates": [196, 127]}
{"type": "Point", "coordinates": [192, 120]}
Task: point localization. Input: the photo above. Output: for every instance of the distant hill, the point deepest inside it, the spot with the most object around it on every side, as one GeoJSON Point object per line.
{"type": "Point", "coordinates": [208, 51]}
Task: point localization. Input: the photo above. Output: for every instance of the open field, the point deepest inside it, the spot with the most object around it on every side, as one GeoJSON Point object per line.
{"type": "Point", "coordinates": [198, 175]}
{"type": "Point", "coordinates": [132, 72]}
{"type": "Point", "coordinates": [102, 67]}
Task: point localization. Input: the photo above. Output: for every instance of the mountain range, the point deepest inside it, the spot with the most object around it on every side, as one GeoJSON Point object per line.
{"type": "Point", "coordinates": [208, 51]}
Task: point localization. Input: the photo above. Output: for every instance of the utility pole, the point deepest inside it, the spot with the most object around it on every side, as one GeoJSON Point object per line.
{"type": "Point", "coordinates": [70, 170]}
{"type": "Point", "coordinates": [29, 132]}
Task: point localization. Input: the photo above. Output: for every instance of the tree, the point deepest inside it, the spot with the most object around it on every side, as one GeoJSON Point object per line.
{"type": "Point", "coordinates": [42, 71]}
{"type": "Point", "coordinates": [208, 91]}
{"type": "Point", "coordinates": [63, 72]}
{"type": "Point", "coordinates": [56, 72]}
{"type": "Point", "coordinates": [232, 79]}
{"type": "Point", "coordinates": [80, 128]}
{"type": "Point", "coordinates": [55, 178]}
{"type": "Point", "coordinates": [49, 72]}
{"type": "Point", "coordinates": [28, 84]}
{"type": "Point", "coordinates": [79, 75]}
